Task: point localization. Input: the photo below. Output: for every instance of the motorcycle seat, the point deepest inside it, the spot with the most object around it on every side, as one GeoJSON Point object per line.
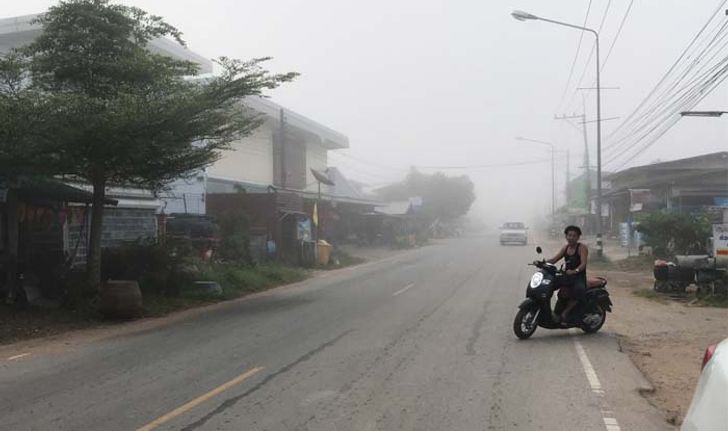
{"type": "Point", "coordinates": [596, 282]}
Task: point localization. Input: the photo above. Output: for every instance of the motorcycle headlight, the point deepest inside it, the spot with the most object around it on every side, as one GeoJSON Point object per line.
{"type": "Point", "coordinates": [536, 280]}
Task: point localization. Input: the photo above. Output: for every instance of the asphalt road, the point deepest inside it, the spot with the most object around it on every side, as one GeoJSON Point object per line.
{"type": "Point", "coordinates": [418, 341]}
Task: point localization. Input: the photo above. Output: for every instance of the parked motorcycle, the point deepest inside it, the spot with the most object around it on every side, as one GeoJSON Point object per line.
{"type": "Point", "coordinates": [589, 315]}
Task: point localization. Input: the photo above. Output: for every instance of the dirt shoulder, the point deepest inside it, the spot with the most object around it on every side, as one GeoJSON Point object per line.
{"type": "Point", "coordinates": [22, 330]}
{"type": "Point", "coordinates": [665, 338]}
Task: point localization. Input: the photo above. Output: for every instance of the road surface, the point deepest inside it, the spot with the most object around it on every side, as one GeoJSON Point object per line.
{"type": "Point", "coordinates": [419, 341]}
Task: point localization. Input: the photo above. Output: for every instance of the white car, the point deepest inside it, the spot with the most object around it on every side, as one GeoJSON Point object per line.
{"type": "Point", "coordinates": [514, 232]}
{"type": "Point", "coordinates": [709, 409]}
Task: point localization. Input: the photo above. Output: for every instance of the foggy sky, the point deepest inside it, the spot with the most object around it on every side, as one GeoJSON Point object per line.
{"type": "Point", "coordinates": [451, 83]}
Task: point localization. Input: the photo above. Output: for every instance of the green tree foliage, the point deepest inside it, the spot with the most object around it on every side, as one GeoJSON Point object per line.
{"type": "Point", "coordinates": [119, 114]}
{"type": "Point", "coordinates": [443, 197]}
{"type": "Point", "coordinates": [671, 233]}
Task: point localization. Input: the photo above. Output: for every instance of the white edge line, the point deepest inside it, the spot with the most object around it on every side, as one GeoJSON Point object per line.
{"type": "Point", "coordinates": [404, 289]}
{"type": "Point", "coordinates": [610, 422]}
{"type": "Point", "coordinates": [22, 355]}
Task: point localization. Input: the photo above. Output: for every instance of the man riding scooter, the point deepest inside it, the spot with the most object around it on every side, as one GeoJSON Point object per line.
{"type": "Point", "coordinates": [574, 284]}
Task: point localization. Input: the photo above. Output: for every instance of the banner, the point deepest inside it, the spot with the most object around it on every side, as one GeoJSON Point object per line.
{"type": "Point", "coordinates": [720, 242]}
{"type": "Point", "coordinates": [638, 198]}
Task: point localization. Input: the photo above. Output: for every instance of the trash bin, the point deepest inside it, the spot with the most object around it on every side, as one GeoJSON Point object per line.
{"type": "Point", "coordinates": [324, 252]}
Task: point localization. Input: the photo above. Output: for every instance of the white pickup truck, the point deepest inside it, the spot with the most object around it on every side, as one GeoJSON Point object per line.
{"type": "Point", "coordinates": [514, 233]}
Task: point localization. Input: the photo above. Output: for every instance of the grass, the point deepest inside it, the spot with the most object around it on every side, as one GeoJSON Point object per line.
{"type": "Point", "coordinates": [630, 264]}
{"type": "Point", "coordinates": [235, 281]}
{"type": "Point", "coordinates": [345, 259]}
{"type": "Point", "coordinates": [31, 322]}
{"type": "Point", "coordinates": [650, 294]}
{"type": "Point", "coordinates": [719, 301]}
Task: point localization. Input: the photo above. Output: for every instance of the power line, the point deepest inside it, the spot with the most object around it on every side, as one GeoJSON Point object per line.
{"type": "Point", "coordinates": [619, 32]}
{"type": "Point", "coordinates": [591, 52]}
{"type": "Point", "coordinates": [494, 165]}
{"type": "Point", "coordinates": [368, 163]}
{"type": "Point", "coordinates": [683, 97]}
{"type": "Point", "coordinates": [672, 117]}
{"type": "Point", "coordinates": [662, 112]}
{"type": "Point", "coordinates": [668, 72]}
{"type": "Point", "coordinates": [576, 57]}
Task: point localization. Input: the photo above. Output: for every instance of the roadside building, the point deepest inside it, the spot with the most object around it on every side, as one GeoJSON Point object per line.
{"type": "Point", "coordinates": [694, 184]}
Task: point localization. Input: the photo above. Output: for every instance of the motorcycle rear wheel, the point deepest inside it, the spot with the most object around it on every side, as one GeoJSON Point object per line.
{"type": "Point", "coordinates": [524, 325]}
{"type": "Point", "coordinates": [597, 325]}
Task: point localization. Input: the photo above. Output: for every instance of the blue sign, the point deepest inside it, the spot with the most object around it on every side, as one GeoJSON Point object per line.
{"type": "Point", "coordinates": [720, 201]}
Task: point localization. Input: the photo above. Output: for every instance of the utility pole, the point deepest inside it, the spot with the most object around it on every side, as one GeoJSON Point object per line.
{"type": "Point", "coordinates": [568, 178]}
{"type": "Point", "coordinates": [282, 142]}
{"type": "Point", "coordinates": [587, 173]}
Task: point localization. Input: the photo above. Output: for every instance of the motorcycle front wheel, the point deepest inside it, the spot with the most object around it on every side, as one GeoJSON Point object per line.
{"type": "Point", "coordinates": [594, 320]}
{"type": "Point", "coordinates": [524, 325]}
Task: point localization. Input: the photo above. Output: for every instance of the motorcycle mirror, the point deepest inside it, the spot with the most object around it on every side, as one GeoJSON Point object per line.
{"type": "Point", "coordinates": [539, 250]}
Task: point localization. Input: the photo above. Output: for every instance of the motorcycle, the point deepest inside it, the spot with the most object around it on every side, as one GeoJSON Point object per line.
{"type": "Point", "coordinates": [588, 315]}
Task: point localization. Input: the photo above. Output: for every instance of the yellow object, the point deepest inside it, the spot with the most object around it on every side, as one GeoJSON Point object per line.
{"type": "Point", "coordinates": [314, 217]}
{"type": "Point", "coordinates": [199, 400]}
{"type": "Point", "coordinates": [324, 252]}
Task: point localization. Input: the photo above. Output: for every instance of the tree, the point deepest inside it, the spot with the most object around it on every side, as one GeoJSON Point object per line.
{"type": "Point", "coordinates": [443, 197]}
{"type": "Point", "coordinates": [129, 116]}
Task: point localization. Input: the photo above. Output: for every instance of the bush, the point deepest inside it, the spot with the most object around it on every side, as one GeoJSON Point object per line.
{"type": "Point", "coordinates": [234, 239]}
{"type": "Point", "coordinates": [671, 233]}
{"type": "Point", "coordinates": [159, 269]}
{"type": "Point", "coordinates": [236, 280]}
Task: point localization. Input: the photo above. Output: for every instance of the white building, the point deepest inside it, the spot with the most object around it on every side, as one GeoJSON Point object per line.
{"type": "Point", "coordinates": [278, 155]}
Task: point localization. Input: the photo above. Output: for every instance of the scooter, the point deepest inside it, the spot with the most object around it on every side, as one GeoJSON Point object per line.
{"type": "Point", "coordinates": [589, 315]}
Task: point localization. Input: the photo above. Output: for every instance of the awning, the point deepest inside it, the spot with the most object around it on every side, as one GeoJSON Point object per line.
{"type": "Point", "coordinates": [47, 189]}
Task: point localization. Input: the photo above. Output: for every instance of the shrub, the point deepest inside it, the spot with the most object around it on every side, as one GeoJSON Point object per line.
{"type": "Point", "coordinates": [670, 233]}
{"type": "Point", "coordinates": [159, 269]}
{"type": "Point", "coordinates": [234, 239]}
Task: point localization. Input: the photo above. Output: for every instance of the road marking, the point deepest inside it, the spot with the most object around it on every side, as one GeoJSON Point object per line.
{"type": "Point", "coordinates": [610, 422]}
{"type": "Point", "coordinates": [16, 357]}
{"type": "Point", "coordinates": [591, 374]}
{"type": "Point", "coordinates": [404, 289]}
{"type": "Point", "coordinates": [199, 400]}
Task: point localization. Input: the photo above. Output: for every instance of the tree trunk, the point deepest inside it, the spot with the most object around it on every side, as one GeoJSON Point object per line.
{"type": "Point", "coordinates": [11, 204]}
{"type": "Point", "coordinates": [93, 258]}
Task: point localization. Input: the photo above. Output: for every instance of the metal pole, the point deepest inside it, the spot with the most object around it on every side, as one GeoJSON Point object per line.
{"type": "Point", "coordinates": [553, 184]}
{"type": "Point", "coordinates": [282, 139]}
{"type": "Point", "coordinates": [568, 178]}
{"type": "Point", "coordinates": [600, 250]}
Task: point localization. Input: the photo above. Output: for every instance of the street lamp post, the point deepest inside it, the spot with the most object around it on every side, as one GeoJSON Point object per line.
{"type": "Point", "coordinates": [703, 113]}
{"type": "Point", "coordinates": [525, 16]}
{"type": "Point", "coordinates": [553, 172]}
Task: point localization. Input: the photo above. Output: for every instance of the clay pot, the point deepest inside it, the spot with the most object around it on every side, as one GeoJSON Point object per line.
{"type": "Point", "coordinates": [120, 299]}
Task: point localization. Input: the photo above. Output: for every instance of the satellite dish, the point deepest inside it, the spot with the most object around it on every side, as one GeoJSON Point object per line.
{"type": "Point", "coordinates": [322, 178]}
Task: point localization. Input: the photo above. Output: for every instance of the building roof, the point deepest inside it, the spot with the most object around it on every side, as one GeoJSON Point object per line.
{"type": "Point", "coordinates": [342, 190]}
{"type": "Point", "coordinates": [329, 138]}
{"type": "Point", "coordinates": [394, 208]}
{"type": "Point", "coordinates": [718, 160]}
{"type": "Point", "coordinates": [21, 30]}
{"type": "Point", "coordinates": [49, 189]}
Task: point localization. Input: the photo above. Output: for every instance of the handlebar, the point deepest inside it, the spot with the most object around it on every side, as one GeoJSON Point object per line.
{"type": "Point", "coordinates": [542, 264]}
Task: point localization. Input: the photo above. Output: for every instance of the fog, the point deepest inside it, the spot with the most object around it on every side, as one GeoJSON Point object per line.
{"type": "Point", "coordinates": [435, 83]}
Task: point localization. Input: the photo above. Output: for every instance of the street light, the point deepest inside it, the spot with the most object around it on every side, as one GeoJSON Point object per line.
{"type": "Point", "coordinates": [703, 113]}
{"type": "Point", "coordinates": [525, 16]}
{"type": "Point", "coordinates": [553, 171]}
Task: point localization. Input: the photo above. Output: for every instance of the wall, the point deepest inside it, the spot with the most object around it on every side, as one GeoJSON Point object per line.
{"type": "Point", "coordinates": [185, 196]}
{"type": "Point", "coordinates": [250, 159]}
{"type": "Point", "coordinates": [123, 225]}
{"type": "Point", "coordinates": [316, 158]}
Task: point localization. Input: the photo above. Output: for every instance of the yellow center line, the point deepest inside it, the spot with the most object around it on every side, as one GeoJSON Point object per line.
{"type": "Point", "coordinates": [199, 400]}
